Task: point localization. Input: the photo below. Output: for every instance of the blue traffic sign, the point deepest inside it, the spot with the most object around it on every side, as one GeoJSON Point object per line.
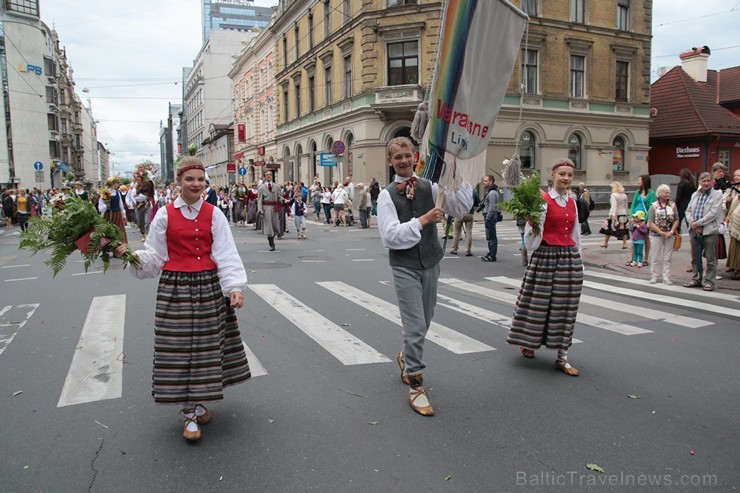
{"type": "Point", "coordinates": [38, 165]}
{"type": "Point", "coordinates": [327, 159]}
{"type": "Point", "coordinates": [242, 171]}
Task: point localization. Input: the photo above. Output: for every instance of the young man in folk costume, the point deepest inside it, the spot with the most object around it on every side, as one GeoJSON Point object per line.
{"type": "Point", "coordinates": [269, 207]}
{"type": "Point", "coordinates": [198, 349]}
{"type": "Point", "coordinates": [407, 221]}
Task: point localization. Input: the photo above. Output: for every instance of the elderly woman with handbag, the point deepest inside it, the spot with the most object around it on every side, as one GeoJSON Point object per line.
{"type": "Point", "coordinates": [663, 223]}
{"type": "Point", "coordinates": [733, 227]}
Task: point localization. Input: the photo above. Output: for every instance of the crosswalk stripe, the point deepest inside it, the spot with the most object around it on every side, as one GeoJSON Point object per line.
{"type": "Point", "coordinates": [650, 313]}
{"type": "Point", "coordinates": [254, 364]}
{"type": "Point", "coordinates": [600, 323]}
{"type": "Point", "coordinates": [341, 344]}
{"type": "Point", "coordinates": [8, 330]}
{"type": "Point", "coordinates": [664, 287]}
{"type": "Point", "coordinates": [97, 365]}
{"type": "Point", "coordinates": [445, 337]}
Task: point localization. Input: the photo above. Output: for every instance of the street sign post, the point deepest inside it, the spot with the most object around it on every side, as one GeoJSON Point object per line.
{"type": "Point", "coordinates": [338, 147]}
{"type": "Point", "coordinates": [38, 166]}
{"type": "Point", "coordinates": [242, 171]}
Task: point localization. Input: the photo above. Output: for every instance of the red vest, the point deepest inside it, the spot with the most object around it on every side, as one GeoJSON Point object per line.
{"type": "Point", "coordinates": [189, 242]}
{"type": "Point", "coordinates": [560, 222]}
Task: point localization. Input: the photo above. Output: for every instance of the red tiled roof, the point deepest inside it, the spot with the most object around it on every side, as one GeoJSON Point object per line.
{"type": "Point", "coordinates": [729, 85]}
{"type": "Point", "coordinates": [687, 108]}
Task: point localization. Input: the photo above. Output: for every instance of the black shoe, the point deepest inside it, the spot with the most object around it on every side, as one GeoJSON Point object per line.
{"type": "Point", "coordinates": [468, 254]}
{"type": "Point", "coordinates": [453, 252]}
{"type": "Point", "coordinates": [488, 259]}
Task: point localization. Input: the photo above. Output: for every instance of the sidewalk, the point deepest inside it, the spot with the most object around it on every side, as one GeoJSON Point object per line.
{"type": "Point", "coordinates": [613, 258]}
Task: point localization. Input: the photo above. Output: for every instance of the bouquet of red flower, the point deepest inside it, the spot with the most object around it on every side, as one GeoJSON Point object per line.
{"type": "Point", "coordinates": [77, 226]}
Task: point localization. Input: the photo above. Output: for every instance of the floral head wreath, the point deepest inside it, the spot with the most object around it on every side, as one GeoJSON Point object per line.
{"type": "Point", "coordinates": [144, 172]}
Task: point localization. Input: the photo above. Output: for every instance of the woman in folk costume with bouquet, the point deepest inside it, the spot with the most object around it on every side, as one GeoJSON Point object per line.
{"type": "Point", "coordinates": [144, 199]}
{"type": "Point", "coordinates": [547, 305]}
{"type": "Point", "coordinates": [198, 350]}
{"type": "Point", "coordinates": [112, 205]}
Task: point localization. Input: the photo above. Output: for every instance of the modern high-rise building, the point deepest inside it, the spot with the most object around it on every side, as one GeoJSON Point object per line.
{"type": "Point", "coordinates": [233, 15]}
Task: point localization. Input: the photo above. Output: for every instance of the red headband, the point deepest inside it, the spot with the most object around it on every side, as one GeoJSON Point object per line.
{"type": "Point", "coordinates": [189, 167]}
{"type": "Point", "coordinates": [564, 162]}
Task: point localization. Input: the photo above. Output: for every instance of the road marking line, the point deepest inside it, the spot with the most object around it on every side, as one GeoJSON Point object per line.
{"type": "Point", "coordinates": [6, 336]}
{"type": "Point", "coordinates": [14, 266]}
{"type": "Point", "coordinates": [96, 372]}
{"type": "Point", "coordinates": [341, 344]}
{"type": "Point", "coordinates": [363, 260]}
{"type": "Point", "coordinates": [21, 279]}
{"type": "Point", "coordinates": [313, 261]}
{"type": "Point", "coordinates": [88, 273]}
{"type": "Point", "coordinates": [255, 366]}
{"type": "Point", "coordinates": [356, 249]}
{"type": "Point", "coordinates": [676, 288]}
{"type": "Point", "coordinates": [650, 313]}
{"type": "Point", "coordinates": [445, 337]}
{"type": "Point", "coordinates": [582, 318]}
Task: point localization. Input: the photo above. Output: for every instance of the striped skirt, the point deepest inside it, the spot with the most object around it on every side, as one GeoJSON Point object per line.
{"type": "Point", "coordinates": [198, 349]}
{"type": "Point", "coordinates": [547, 305]}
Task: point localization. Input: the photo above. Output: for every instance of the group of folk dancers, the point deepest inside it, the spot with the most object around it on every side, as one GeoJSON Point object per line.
{"type": "Point", "coordinates": [198, 348]}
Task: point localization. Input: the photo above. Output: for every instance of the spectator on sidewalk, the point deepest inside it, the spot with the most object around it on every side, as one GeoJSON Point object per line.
{"type": "Point", "coordinates": [704, 215]}
{"type": "Point", "coordinates": [733, 227]}
{"type": "Point", "coordinates": [585, 195]}
{"type": "Point", "coordinates": [616, 223]}
{"type": "Point", "coordinates": [686, 187]}
{"type": "Point", "coordinates": [374, 192]}
{"type": "Point", "coordinates": [467, 221]}
{"type": "Point", "coordinates": [663, 223]}
{"type": "Point", "coordinates": [490, 214]}
{"type": "Point", "coordinates": [639, 233]}
{"type": "Point", "coordinates": [642, 201]}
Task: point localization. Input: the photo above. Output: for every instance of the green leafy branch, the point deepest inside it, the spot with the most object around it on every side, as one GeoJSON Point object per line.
{"type": "Point", "coordinates": [527, 202]}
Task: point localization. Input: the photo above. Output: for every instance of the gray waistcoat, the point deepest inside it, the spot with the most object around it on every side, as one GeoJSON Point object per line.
{"type": "Point", "coordinates": [428, 252]}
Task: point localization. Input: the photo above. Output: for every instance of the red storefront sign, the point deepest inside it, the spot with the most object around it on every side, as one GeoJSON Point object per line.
{"type": "Point", "coordinates": [259, 163]}
{"type": "Point", "coordinates": [231, 167]}
{"type": "Point", "coordinates": [241, 132]}
{"type": "Point", "coordinates": [260, 150]}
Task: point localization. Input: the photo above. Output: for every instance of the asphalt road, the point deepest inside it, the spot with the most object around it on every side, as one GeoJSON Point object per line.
{"type": "Point", "coordinates": [655, 405]}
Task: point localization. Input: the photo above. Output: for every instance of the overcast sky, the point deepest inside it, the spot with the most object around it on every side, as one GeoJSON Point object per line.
{"type": "Point", "coordinates": [130, 56]}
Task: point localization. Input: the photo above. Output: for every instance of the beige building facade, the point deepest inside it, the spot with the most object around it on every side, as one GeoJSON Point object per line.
{"type": "Point", "coordinates": [352, 71]}
{"type": "Point", "coordinates": [355, 71]}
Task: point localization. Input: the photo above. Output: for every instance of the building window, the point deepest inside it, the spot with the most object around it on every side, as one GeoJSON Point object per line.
{"type": "Point", "coordinates": [297, 40]}
{"type": "Point", "coordinates": [577, 74]}
{"type": "Point", "coordinates": [50, 68]}
{"type": "Point", "coordinates": [623, 15]}
{"type": "Point", "coordinates": [575, 147]}
{"type": "Point", "coordinates": [529, 71]}
{"type": "Point", "coordinates": [285, 102]}
{"type": "Point", "coordinates": [310, 30]}
{"type": "Point", "coordinates": [54, 149]}
{"type": "Point", "coordinates": [64, 125]}
{"type": "Point", "coordinates": [327, 18]}
{"type": "Point", "coordinates": [723, 156]}
{"type": "Point", "coordinates": [30, 7]}
{"type": "Point", "coordinates": [327, 86]}
{"type": "Point", "coordinates": [285, 52]}
{"type": "Point", "coordinates": [348, 76]}
{"type": "Point", "coordinates": [530, 7]}
{"type": "Point", "coordinates": [396, 3]}
{"type": "Point", "coordinates": [618, 154]}
{"type": "Point", "coordinates": [622, 81]}
{"type": "Point", "coordinates": [311, 97]}
{"type": "Point", "coordinates": [577, 11]}
{"type": "Point", "coordinates": [403, 63]}
{"type": "Point", "coordinates": [53, 122]}
{"type": "Point", "coordinates": [527, 149]}
{"type": "Point", "coordinates": [297, 99]}
{"type": "Point", "coordinates": [347, 10]}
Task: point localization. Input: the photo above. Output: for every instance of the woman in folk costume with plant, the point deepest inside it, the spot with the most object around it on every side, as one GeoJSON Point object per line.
{"type": "Point", "coordinates": [112, 205]}
{"type": "Point", "coordinates": [547, 305]}
{"type": "Point", "coordinates": [198, 350]}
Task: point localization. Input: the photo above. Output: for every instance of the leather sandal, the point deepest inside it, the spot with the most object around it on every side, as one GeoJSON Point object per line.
{"type": "Point", "coordinates": [205, 417]}
{"type": "Point", "coordinates": [417, 392]}
{"type": "Point", "coordinates": [566, 368]}
{"type": "Point", "coordinates": [526, 352]}
{"type": "Point", "coordinates": [187, 434]}
{"type": "Point", "coordinates": [402, 365]}
{"type": "Point", "coordinates": [692, 284]}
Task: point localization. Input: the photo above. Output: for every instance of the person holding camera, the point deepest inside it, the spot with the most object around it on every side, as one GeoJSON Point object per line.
{"type": "Point", "coordinates": [704, 215]}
